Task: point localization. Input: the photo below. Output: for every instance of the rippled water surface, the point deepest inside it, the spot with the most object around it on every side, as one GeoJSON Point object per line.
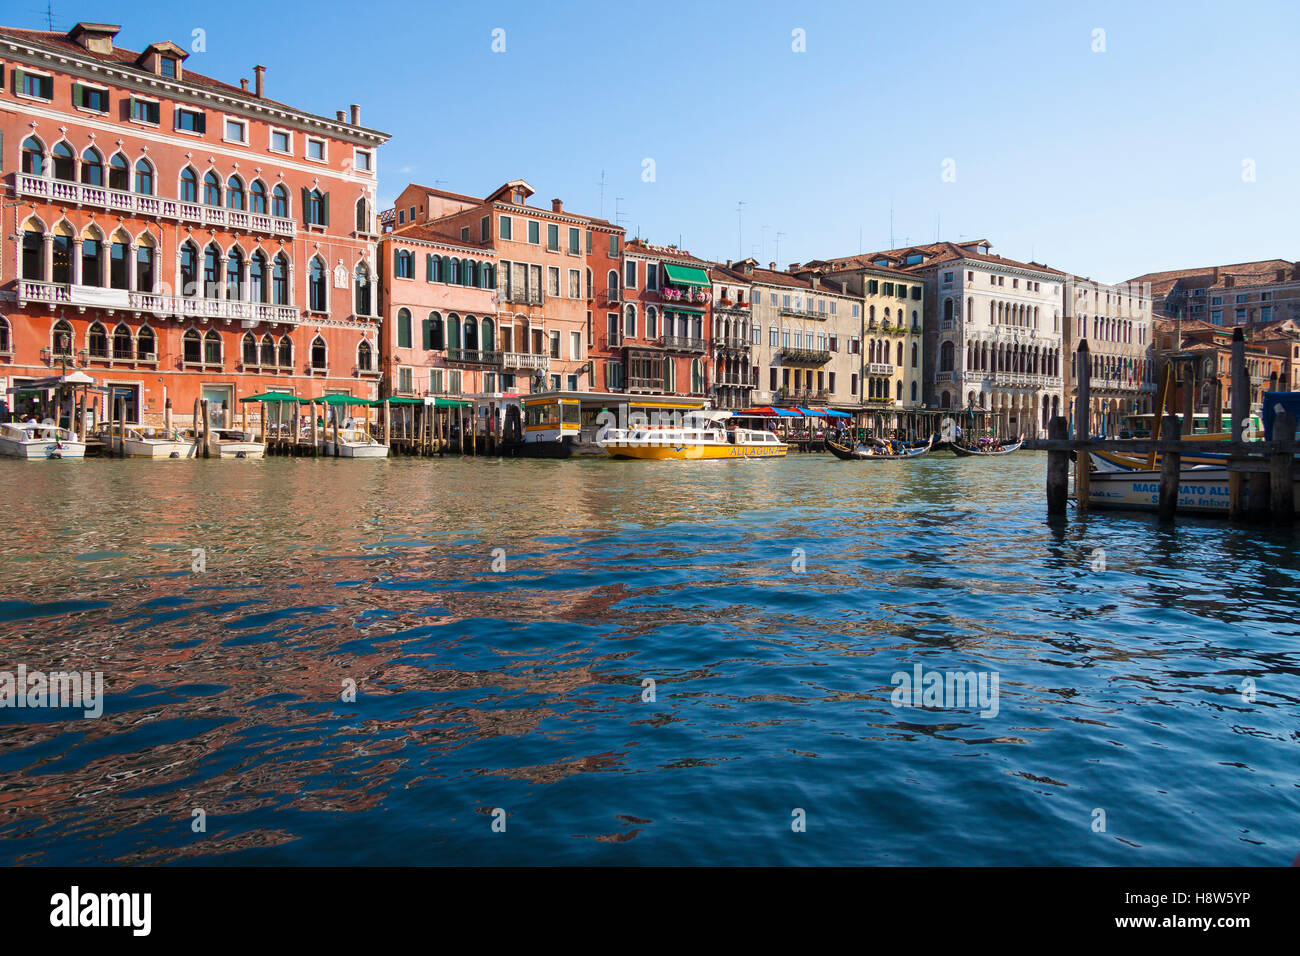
{"type": "Point", "coordinates": [524, 688]}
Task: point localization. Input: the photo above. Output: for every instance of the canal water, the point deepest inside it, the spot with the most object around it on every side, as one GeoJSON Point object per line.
{"type": "Point", "coordinates": [638, 663]}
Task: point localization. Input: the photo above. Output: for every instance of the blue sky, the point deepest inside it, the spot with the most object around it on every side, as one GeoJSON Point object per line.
{"type": "Point", "coordinates": [1107, 164]}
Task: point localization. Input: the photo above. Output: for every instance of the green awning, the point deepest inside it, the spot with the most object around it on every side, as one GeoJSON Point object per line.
{"type": "Point", "coordinates": [687, 275]}
{"type": "Point", "coordinates": [680, 308]}
{"type": "Point", "coordinates": [275, 398]}
{"type": "Point", "coordinates": [399, 400]}
{"type": "Point", "coordinates": [336, 400]}
{"type": "Point", "coordinates": [451, 403]}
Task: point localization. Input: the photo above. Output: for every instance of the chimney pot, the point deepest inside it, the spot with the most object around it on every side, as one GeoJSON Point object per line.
{"type": "Point", "coordinates": [243, 83]}
{"type": "Point", "coordinates": [259, 81]}
{"type": "Point", "coordinates": [338, 114]}
{"type": "Point", "coordinates": [728, 263]}
{"type": "Point", "coordinates": [355, 110]}
{"type": "Point", "coordinates": [772, 266]}
{"type": "Point", "coordinates": [557, 206]}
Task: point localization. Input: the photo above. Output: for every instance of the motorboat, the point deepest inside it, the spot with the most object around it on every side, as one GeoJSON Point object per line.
{"type": "Point", "coordinates": [33, 440]}
{"type": "Point", "coordinates": [701, 435]}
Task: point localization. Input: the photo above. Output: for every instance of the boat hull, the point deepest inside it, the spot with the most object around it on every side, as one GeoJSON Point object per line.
{"type": "Point", "coordinates": [145, 448]}
{"type": "Point", "coordinates": [354, 450]}
{"type": "Point", "coordinates": [36, 450]}
{"type": "Point", "coordinates": [694, 452]}
{"type": "Point", "coordinates": [1201, 490]}
{"type": "Point", "coordinates": [238, 449]}
{"type": "Point", "coordinates": [962, 452]}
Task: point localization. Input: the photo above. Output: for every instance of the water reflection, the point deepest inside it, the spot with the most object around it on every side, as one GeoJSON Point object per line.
{"type": "Point", "coordinates": [525, 688]}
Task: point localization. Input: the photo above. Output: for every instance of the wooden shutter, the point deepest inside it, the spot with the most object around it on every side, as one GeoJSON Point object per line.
{"type": "Point", "coordinates": [325, 210]}
{"type": "Point", "coordinates": [306, 205]}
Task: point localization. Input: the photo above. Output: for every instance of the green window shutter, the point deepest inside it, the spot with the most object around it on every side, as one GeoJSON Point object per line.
{"type": "Point", "coordinates": [18, 81]}
{"type": "Point", "coordinates": [325, 209]}
{"type": "Point", "coordinates": [306, 204]}
{"type": "Point", "coordinates": [78, 95]}
{"type": "Point", "coordinates": [428, 268]}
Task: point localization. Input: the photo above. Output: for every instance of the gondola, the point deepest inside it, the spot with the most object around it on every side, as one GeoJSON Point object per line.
{"type": "Point", "coordinates": [965, 452]}
{"type": "Point", "coordinates": [867, 452]}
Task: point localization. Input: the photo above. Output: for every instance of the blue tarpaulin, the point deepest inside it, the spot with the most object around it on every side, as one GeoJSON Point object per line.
{"type": "Point", "coordinates": [1288, 400]}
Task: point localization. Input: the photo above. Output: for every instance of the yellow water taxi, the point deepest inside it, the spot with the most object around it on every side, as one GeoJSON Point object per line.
{"type": "Point", "coordinates": [701, 435]}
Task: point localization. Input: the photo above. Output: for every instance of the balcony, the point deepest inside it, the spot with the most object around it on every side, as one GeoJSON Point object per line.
{"type": "Point", "coordinates": [879, 368]}
{"type": "Point", "coordinates": [724, 380]}
{"type": "Point", "coordinates": [651, 384]}
{"type": "Point", "coordinates": [488, 359]}
{"type": "Point", "coordinates": [613, 295]}
{"type": "Point", "coordinates": [683, 343]}
{"type": "Point", "coordinates": [162, 306]}
{"type": "Point", "coordinates": [800, 314]}
{"type": "Point", "coordinates": [523, 361]}
{"type": "Point", "coordinates": [731, 342]}
{"type": "Point", "coordinates": [134, 204]}
{"type": "Point", "coordinates": [524, 296]}
{"type": "Point", "coordinates": [726, 305]}
{"type": "Point", "coordinates": [805, 356]}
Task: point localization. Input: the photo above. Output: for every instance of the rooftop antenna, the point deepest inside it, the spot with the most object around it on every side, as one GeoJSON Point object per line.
{"type": "Point", "coordinates": [618, 213]}
{"type": "Point", "coordinates": [49, 16]}
{"type": "Point", "coordinates": [778, 247]}
{"type": "Point", "coordinates": [740, 232]}
{"type": "Point", "coordinates": [762, 245]}
{"type": "Point", "coordinates": [601, 184]}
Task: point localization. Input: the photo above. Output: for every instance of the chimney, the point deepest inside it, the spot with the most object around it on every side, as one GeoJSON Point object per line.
{"type": "Point", "coordinates": [1229, 281]}
{"type": "Point", "coordinates": [1216, 276]}
{"type": "Point", "coordinates": [728, 263]}
{"type": "Point", "coordinates": [259, 83]}
{"type": "Point", "coordinates": [338, 114]}
{"type": "Point", "coordinates": [243, 83]}
{"type": "Point", "coordinates": [1281, 275]}
{"type": "Point", "coordinates": [772, 266]}
{"type": "Point", "coordinates": [355, 111]}
{"type": "Point", "coordinates": [557, 206]}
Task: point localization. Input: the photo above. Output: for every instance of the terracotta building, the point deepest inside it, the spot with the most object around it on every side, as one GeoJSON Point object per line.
{"type": "Point", "coordinates": [1207, 350]}
{"type": "Point", "coordinates": [605, 350]}
{"type": "Point", "coordinates": [177, 237]}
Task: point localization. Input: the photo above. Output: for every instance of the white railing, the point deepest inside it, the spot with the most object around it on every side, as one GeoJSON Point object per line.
{"type": "Point", "coordinates": [155, 304]}
{"type": "Point", "coordinates": [880, 368]}
{"type": "Point", "coordinates": [524, 360]}
{"type": "Point", "coordinates": [116, 200]}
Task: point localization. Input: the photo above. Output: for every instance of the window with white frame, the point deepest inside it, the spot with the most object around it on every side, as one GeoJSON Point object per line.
{"type": "Point", "coordinates": [363, 160]}
{"type": "Point", "coordinates": [235, 131]}
{"type": "Point", "coordinates": [281, 141]}
{"type": "Point", "coordinates": [316, 149]}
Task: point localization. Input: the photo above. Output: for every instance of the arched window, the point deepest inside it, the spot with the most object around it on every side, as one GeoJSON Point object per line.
{"type": "Point", "coordinates": [280, 202]}
{"type": "Point", "coordinates": [212, 272]}
{"type": "Point", "coordinates": [363, 215]}
{"type": "Point", "coordinates": [403, 264]}
{"type": "Point", "coordinates": [211, 189]}
{"type": "Point", "coordinates": [946, 357]}
{"type": "Point", "coordinates": [144, 263]}
{"type": "Point", "coordinates": [651, 322]}
{"type": "Point", "coordinates": [471, 332]}
{"type": "Point", "coordinates": [119, 261]}
{"type": "Point", "coordinates": [62, 263]}
{"type": "Point", "coordinates": [697, 377]}
{"type": "Point", "coordinates": [317, 300]}
{"type": "Point", "coordinates": [144, 177]}
{"type": "Point", "coordinates": [192, 347]}
{"type": "Point", "coordinates": [899, 363]}
{"type": "Point", "coordinates": [365, 356]}
{"type": "Point", "coordinates": [433, 268]}
{"type": "Point", "coordinates": [670, 374]}
{"type": "Point", "coordinates": [317, 208]}
{"type": "Point", "coordinates": [6, 340]}
{"type": "Point", "coordinates": [488, 335]}
{"type": "Point", "coordinates": [362, 282]}
{"type": "Point", "coordinates": [947, 310]}
{"type": "Point", "coordinates": [257, 197]}
{"type": "Point", "coordinates": [898, 391]}
{"type": "Point", "coordinates": [286, 352]}
{"type": "Point", "coordinates": [403, 328]}
{"type": "Point", "coordinates": [119, 173]}
{"type": "Point", "coordinates": [97, 341]}
{"type": "Point", "coordinates": [914, 355]}
{"type": "Point", "coordinates": [945, 400]}
{"type": "Point", "coordinates": [266, 354]}
{"type": "Point", "coordinates": [433, 332]}
{"type": "Point", "coordinates": [189, 185]}
{"type": "Point", "coordinates": [611, 282]}
{"type": "Point", "coordinates": [234, 193]}
{"type": "Point", "coordinates": [452, 267]}
{"type": "Point", "coordinates": [61, 338]}
{"type": "Point", "coordinates": [318, 354]}
{"type": "Point", "coordinates": [914, 391]}
{"type": "Point", "coordinates": [235, 275]}
{"type": "Point", "coordinates": [123, 346]}
{"type": "Point", "coordinates": [65, 163]}
{"type": "Point", "coordinates": [212, 347]}
{"type": "Point", "coordinates": [629, 322]}
{"type": "Point", "coordinates": [257, 277]}
{"type": "Point", "coordinates": [189, 269]}
{"type": "Point", "coordinates": [280, 280]}
{"type": "Point", "coordinates": [92, 167]}
{"type": "Point", "coordinates": [33, 250]}
{"type": "Point", "coordinates": [33, 158]}
{"type": "Point", "coordinates": [453, 331]}
{"type": "Point", "coordinates": [249, 345]}
{"type": "Point", "coordinates": [146, 345]}
{"type": "Point", "coordinates": [92, 258]}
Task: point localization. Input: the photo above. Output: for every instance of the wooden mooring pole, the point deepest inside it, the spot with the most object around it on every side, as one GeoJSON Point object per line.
{"type": "Point", "coordinates": [1240, 405]}
{"type": "Point", "coordinates": [1082, 414]}
{"type": "Point", "coordinates": [1171, 462]}
{"type": "Point", "coordinates": [1058, 468]}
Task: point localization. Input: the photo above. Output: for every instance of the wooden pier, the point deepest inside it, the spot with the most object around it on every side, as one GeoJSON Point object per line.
{"type": "Point", "coordinates": [1262, 473]}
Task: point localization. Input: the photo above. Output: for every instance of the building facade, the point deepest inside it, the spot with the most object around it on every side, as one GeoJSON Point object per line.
{"type": "Point", "coordinates": [666, 314]}
{"type": "Point", "coordinates": [605, 351]}
{"type": "Point", "coordinates": [733, 374]}
{"type": "Point", "coordinates": [178, 238]}
{"type": "Point", "coordinates": [438, 302]}
{"type": "Point", "coordinates": [1116, 322]}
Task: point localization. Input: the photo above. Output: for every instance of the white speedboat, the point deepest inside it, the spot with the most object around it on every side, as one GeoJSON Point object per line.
{"type": "Point", "coordinates": [700, 436]}
{"type": "Point", "coordinates": [142, 441]}
{"type": "Point", "coordinates": [226, 443]}
{"type": "Point", "coordinates": [30, 440]}
{"type": "Point", "coordinates": [353, 443]}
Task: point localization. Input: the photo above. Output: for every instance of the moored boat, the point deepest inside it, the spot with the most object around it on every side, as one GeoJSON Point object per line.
{"type": "Point", "coordinates": [986, 451]}
{"type": "Point", "coordinates": [353, 443]}
{"type": "Point", "coordinates": [140, 441]}
{"type": "Point", "coordinates": [1202, 489]}
{"type": "Point", "coordinates": [30, 440]}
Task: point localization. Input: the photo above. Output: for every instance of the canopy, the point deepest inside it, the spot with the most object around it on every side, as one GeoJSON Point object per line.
{"type": "Point", "coordinates": [53, 381]}
{"type": "Point", "coordinates": [399, 400]}
{"type": "Point", "coordinates": [674, 307]}
{"type": "Point", "coordinates": [336, 400]}
{"type": "Point", "coordinates": [686, 275]}
{"type": "Point", "coordinates": [766, 411]}
{"type": "Point", "coordinates": [709, 414]}
{"type": "Point", "coordinates": [273, 397]}
{"type": "Point", "coordinates": [836, 413]}
{"type": "Point", "coordinates": [447, 403]}
{"type": "Point", "coordinates": [810, 412]}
